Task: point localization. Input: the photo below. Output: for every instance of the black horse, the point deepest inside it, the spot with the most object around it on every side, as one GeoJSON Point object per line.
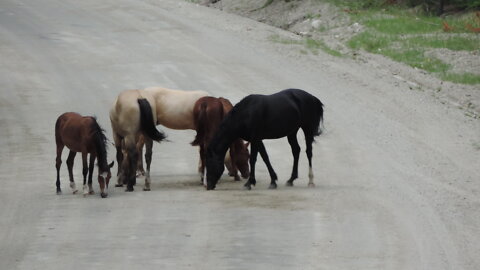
{"type": "Point", "coordinates": [258, 117]}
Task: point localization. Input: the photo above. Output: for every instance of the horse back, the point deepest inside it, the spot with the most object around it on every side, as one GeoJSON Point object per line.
{"type": "Point", "coordinates": [208, 113]}
{"type": "Point", "coordinates": [174, 108]}
{"type": "Point", "coordinates": [74, 131]}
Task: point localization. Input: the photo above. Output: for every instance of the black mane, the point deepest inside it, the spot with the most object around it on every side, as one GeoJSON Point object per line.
{"type": "Point", "coordinates": [100, 142]}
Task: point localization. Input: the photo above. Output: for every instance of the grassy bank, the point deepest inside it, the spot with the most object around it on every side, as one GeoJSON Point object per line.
{"type": "Point", "coordinates": [407, 35]}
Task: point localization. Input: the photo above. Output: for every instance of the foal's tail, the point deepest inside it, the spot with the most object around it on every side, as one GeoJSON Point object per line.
{"type": "Point", "coordinates": [147, 124]}
{"type": "Point", "coordinates": [318, 128]}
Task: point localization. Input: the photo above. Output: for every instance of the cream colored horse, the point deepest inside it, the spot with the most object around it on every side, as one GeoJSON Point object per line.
{"type": "Point", "coordinates": [128, 115]}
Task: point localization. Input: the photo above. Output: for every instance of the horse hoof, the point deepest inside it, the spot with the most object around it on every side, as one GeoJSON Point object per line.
{"type": "Point", "coordinates": [247, 187]}
{"type": "Point", "coordinates": [237, 178]}
{"type": "Point", "coordinates": [59, 192]}
{"type": "Point", "coordinates": [146, 189]}
{"type": "Point", "coordinates": [103, 195]}
{"type": "Point", "coordinates": [311, 185]}
{"type": "Point", "coordinates": [118, 185]}
{"type": "Point", "coordinates": [272, 186]}
{"type": "Point", "coordinates": [289, 184]}
{"type": "Point", "coordinates": [129, 189]}
{"type": "Point", "coordinates": [91, 192]}
{"type": "Point", "coordinates": [75, 191]}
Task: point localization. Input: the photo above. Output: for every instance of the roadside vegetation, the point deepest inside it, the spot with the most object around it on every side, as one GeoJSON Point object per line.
{"type": "Point", "coordinates": [407, 34]}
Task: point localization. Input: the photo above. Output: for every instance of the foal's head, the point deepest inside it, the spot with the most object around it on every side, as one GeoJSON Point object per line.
{"type": "Point", "coordinates": [100, 142]}
{"type": "Point", "coordinates": [104, 176]}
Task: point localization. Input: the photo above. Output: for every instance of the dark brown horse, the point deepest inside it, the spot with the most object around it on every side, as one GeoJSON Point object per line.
{"type": "Point", "coordinates": [208, 113]}
{"type": "Point", "coordinates": [82, 134]}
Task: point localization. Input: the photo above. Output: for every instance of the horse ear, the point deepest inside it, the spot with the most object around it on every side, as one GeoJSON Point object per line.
{"type": "Point", "coordinates": [111, 164]}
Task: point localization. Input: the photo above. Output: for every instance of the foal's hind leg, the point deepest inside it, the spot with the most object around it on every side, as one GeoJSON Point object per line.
{"type": "Point", "coordinates": [148, 161]}
{"type": "Point", "coordinates": [70, 161]}
{"type": "Point", "coordinates": [273, 175]}
{"type": "Point", "coordinates": [292, 140]}
{"type": "Point", "coordinates": [58, 163]}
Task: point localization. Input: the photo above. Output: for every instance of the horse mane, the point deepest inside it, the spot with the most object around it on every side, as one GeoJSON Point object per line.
{"type": "Point", "coordinates": [100, 142]}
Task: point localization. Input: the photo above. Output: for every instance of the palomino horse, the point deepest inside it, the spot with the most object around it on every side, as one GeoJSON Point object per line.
{"type": "Point", "coordinates": [170, 108]}
{"type": "Point", "coordinates": [82, 134]}
{"type": "Point", "coordinates": [208, 113]}
{"type": "Point", "coordinates": [258, 117]}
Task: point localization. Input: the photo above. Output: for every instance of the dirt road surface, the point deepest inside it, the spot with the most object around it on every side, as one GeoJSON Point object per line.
{"type": "Point", "coordinates": [397, 171]}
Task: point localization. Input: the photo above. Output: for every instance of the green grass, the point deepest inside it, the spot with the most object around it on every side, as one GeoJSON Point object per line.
{"type": "Point", "coordinates": [405, 37]}
{"type": "Point", "coordinates": [312, 45]}
{"type": "Point", "coordinates": [465, 78]}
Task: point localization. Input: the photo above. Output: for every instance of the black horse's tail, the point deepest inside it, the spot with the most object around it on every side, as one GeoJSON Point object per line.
{"type": "Point", "coordinates": [147, 124]}
{"type": "Point", "coordinates": [318, 119]}
{"type": "Point", "coordinates": [200, 123]}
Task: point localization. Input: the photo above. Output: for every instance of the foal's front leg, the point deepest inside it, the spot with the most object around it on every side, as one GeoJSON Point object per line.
{"type": "Point", "coordinates": [90, 173]}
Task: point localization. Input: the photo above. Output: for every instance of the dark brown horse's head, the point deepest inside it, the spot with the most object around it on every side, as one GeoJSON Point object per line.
{"type": "Point", "coordinates": [103, 179]}
{"type": "Point", "coordinates": [242, 159]}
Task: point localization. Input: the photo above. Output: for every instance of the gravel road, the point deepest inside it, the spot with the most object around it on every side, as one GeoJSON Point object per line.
{"type": "Point", "coordinates": [397, 171]}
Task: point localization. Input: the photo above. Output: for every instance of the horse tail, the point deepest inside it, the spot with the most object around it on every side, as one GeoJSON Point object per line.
{"type": "Point", "coordinates": [200, 122]}
{"type": "Point", "coordinates": [147, 124]}
{"type": "Point", "coordinates": [318, 128]}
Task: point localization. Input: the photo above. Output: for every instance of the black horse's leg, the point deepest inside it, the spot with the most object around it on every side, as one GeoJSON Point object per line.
{"type": "Point", "coordinates": [58, 164]}
{"type": "Point", "coordinates": [292, 140]}
{"type": "Point", "coordinates": [253, 159]}
{"type": "Point", "coordinates": [148, 161]}
{"type": "Point", "coordinates": [85, 172]}
{"type": "Point", "coordinates": [70, 161]}
{"type": "Point", "coordinates": [90, 173]}
{"type": "Point", "coordinates": [309, 141]}
{"type": "Point", "coordinates": [273, 175]}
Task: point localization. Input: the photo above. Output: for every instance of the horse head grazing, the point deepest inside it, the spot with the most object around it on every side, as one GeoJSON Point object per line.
{"type": "Point", "coordinates": [215, 168]}
{"type": "Point", "coordinates": [100, 142]}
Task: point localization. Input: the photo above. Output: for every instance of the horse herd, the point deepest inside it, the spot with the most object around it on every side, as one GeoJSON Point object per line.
{"type": "Point", "coordinates": [220, 127]}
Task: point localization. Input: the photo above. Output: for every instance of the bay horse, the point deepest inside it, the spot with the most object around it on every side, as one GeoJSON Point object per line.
{"type": "Point", "coordinates": [259, 117]}
{"type": "Point", "coordinates": [137, 112]}
{"type": "Point", "coordinates": [208, 113]}
{"type": "Point", "coordinates": [82, 134]}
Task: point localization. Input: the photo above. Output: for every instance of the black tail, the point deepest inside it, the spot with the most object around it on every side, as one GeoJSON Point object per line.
{"type": "Point", "coordinates": [200, 119]}
{"type": "Point", "coordinates": [147, 125]}
{"type": "Point", "coordinates": [319, 119]}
